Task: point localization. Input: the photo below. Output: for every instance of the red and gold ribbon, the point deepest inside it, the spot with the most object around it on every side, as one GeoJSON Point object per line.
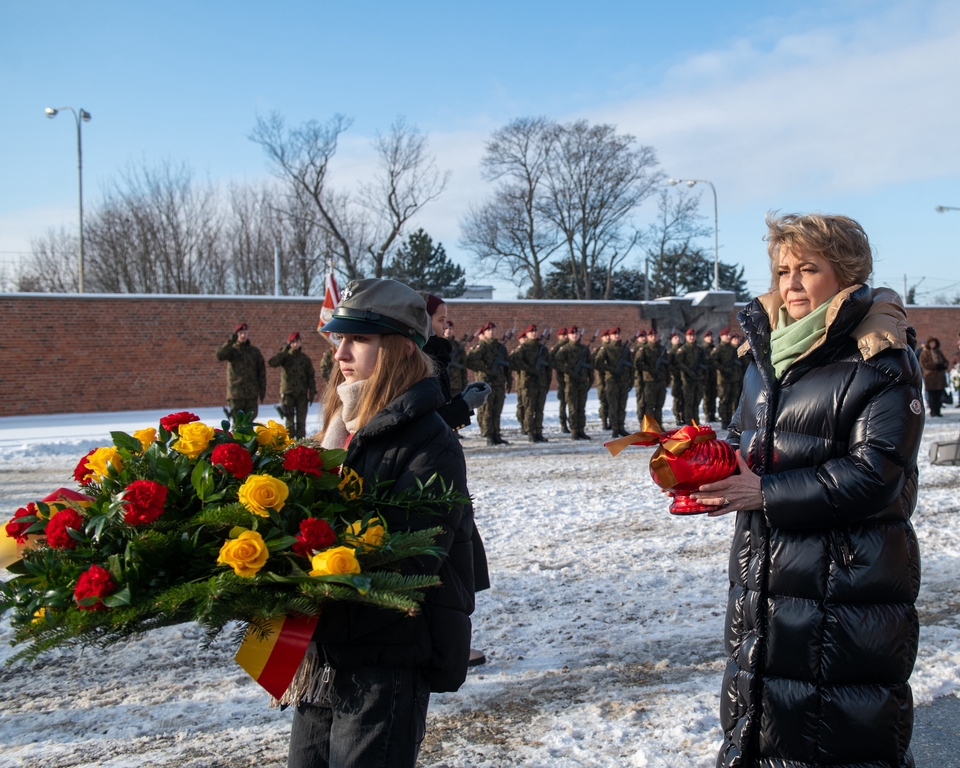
{"type": "Point", "coordinates": [671, 445]}
{"type": "Point", "coordinates": [273, 661]}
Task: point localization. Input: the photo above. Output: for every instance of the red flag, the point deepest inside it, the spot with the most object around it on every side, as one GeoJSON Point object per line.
{"type": "Point", "coordinates": [331, 297]}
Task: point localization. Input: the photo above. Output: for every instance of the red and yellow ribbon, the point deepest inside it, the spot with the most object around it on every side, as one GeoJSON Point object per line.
{"type": "Point", "coordinates": [671, 445]}
{"type": "Point", "coordinates": [273, 661]}
{"type": "Point", "coordinates": [11, 552]}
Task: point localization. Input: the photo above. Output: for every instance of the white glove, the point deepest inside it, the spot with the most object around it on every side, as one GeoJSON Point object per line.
{"type": "Point", "coordinates": [476, 394]}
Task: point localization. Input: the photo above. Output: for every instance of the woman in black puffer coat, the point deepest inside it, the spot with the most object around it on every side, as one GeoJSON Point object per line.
{"type": "Point", "coordinates": [821, 629]}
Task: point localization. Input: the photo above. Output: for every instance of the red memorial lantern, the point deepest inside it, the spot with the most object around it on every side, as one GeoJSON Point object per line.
{"type": "Point", "coordinates": [685, 459]}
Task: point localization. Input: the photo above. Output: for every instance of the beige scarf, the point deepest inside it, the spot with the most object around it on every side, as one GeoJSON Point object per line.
{"type": "Point", "coordinates": [344, 423]}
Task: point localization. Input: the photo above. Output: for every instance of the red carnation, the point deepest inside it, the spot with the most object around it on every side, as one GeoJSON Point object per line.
{"type": "Point", "coordinates": [304, 459]}
{"type": "Point", "coordinates": [315, 534]}
{"type": "Point", "coordinates": [234, 458]}
{"type": "Point", "coordinates": [144, 500]}
{"type": "Point", "coordinates": [57, 535]}
{"type": "Point", "coordinates": [93, 582]}
{"type": "Point", "coordinates": [81, 473]}
{"type": "Point", "coordinates": [174, 420]}
{"type": "Point", "coordinates": [17, 530]}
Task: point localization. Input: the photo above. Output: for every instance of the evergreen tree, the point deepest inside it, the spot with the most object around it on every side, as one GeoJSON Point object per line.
{"type": "Point", "coordinates": [425, 267]}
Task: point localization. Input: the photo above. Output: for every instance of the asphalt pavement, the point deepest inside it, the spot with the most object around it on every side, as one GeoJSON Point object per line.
{"type": "Point", "coordinates": [936, 734]}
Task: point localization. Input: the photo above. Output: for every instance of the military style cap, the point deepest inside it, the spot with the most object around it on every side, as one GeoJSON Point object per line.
{"type": "Point", "coordinates": [572, 330]}
{"type": "Point", "coordinates": [614, 330]}
{"type": "Point", "coordinates": [241, 327]}
{"type": "Point", "coordinates": [529, 329]}
{"type": "Point", "coordinates": [724, 331]}
{"type": "Point", "coordinates": [691, 330]}
{"type": "Point", "coordinates": [375, 305]}
{"type": "Point", "coordinates": [295, 336]}
{"type": "Point", "coordinates": [486, 327]}
{"type": "Point", "coordinates": [562, 332]}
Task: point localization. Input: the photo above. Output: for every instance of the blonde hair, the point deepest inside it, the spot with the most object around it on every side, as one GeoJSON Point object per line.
{"type": "Point", "coordinates": [838, 239]}
{"type": "Point", "coordinates": [396, 371]}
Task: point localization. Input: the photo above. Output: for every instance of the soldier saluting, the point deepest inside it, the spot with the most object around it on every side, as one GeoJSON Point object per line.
{"type": "Point", "coordinates": [246, 373]}
{"type": "Point", "coordinates": [298, 384]}
{"type": "Point", "coordinates": [532, 361]}
{"type": "Point", "coordinates": [576, 362]}
{"type": "Point", "coordinates": [490, 362]}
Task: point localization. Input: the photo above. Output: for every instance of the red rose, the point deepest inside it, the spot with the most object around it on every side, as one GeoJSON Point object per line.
{"type": "Point", "coordinates": [234, 458]}
{"type": "Point", "coordinates": [304, 459]}
{"type": "Point", "coordinates": [57, 535]}
{"type": "Point", "coordinates": [174, 420]}
{"type": "Point", "coordinates": [93, 582]}
{"type": "Point", "coordinates": [144, 500]}
{"type": "Point", "coordinates": [81, 473]}
{"type": "Point", "coordinates": [314, 535]}
{"type": "Point", "coordinates": [17, 530]}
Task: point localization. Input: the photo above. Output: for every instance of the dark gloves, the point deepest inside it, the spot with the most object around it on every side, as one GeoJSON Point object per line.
{"type": "Point", "coordinates": [476, 394]}
{"type": "Point", "coordinates": [233, 339]}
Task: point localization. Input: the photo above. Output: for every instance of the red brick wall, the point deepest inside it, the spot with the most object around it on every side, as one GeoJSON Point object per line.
{"type": "Point", "coordinates": [68, 353]}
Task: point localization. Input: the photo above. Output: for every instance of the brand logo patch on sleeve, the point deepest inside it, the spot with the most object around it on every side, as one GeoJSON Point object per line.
{"type": "Point", "coordinates": [916, 406]}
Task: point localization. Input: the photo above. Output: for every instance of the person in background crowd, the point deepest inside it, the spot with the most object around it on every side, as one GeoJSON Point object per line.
{"type": "Point", "coordinates": [382, 407]}
{"type": "Point", "coordinates": [693, 369]}
{"type": "Point", "coordinates": [728, 376]}
{"type": "Point", "coordinates": [327, 362]}
{"type": "Point", "coordinates": [709, 378]}
{"type": "Point", "coordinates": [531, 360]}
{"type": "Point", "coordinates": [934, 366]}
{"type": "Point", "coordinates": [246, 373]}
{"type": "Point", "coordinates": [298, 385]}
{"type": "Point", "coordinates": [456, 371]}
{"type": "Point", "coordinates": [576, 362]}
{"type": "Point", "coordinates": [602, 382]}
{"type": "Point", "coordinates": [561, 380]}
{"type": "Point", "coordinates": [637, 374]}
{"type": "Point", "coordinates": [675, 378]}
{"type": "Point", "coordinates": [615, 360]}
{"type": "Point", "coordinates": [821, 624]}
{"type": "Point", "coordinates": [491, 363]}
{"type": "Point", "coordinates": [955, 372]}
{"type": "Point", "coordinates": [653, 363]}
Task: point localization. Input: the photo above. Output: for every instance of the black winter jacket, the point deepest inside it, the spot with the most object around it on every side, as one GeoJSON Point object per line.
{"type": "Point", "coordinates": [404, 442]}
{"type": "Point", "coordinates": [821, 629]}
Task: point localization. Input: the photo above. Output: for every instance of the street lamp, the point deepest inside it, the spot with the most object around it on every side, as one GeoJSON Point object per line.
{"type": "Point", "coordinates": [716, 240]}
{"type": "Point", "coordinates": [945, 208]}
{"type": "Point", "coordinates": [82, 117]}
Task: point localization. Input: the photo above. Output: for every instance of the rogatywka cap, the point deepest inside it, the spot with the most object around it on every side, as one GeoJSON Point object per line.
{"type": "Point", "coordinates": [376, 305]}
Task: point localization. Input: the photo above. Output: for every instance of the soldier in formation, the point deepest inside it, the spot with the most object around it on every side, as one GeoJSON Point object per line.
{"type": "Point", "coordinates": [676, 382]}
{"type": "Point", "coordinates": [456, 370]}
{"type": "Point", "coordinates": [641, 339]}
{"type": "Point", "coordinates": [489, 360]}
{"type": "Point", "coordinates": [575, 361]}
{"type": "Point", "coordinates": [327, 361]}
{"type": "Point", "coordinates": [693, 369]}
{"type": "Point", "coordinates": [531, 360]}
{"type": "Point", "coordinates": [561, 380]}
{"type": "Point", "coordinates": [729, 377]}
{"type": "Point", "coordinates": [615, 360]}
{"type": "Point", "coordinates": [602, 382]}
{"type": "Point", "coordinates": [298, 385]}
{"type": "Point", "coordinates": [653, 364]}
{"type": "Point", "coordinates": [709, 378]}
{"type": "Point", "coordinates": [246, 373]}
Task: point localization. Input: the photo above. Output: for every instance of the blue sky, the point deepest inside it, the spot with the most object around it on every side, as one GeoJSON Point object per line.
{"type": "Point", "coordinates": [847, 106]}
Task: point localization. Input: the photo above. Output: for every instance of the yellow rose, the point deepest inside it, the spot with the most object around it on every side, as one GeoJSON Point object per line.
{"type": "Point", "coordinates": [194, 438]}
{"type": "Point", "coordinates": [334, 561]}
{"type": "Point", "coordinates": [273, 436]}
{"type": "Point", "coordinates": [262, 492]}
{"type": "Point", "coordinates": [146, 436]}
{"type": "Point", "coordinates": [38, 616]}
{"type": "Point", "coordinates": [351, 486]}
{"type": "Point", "coordinates": [372, 536]}
{"type": "Point", "coordinates": [100, 459]}
{"type": "Point", "coordinates": [246, 554]}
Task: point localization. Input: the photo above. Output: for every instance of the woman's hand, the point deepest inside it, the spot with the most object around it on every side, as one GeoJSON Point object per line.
{"type": "Point", "coordinates": [736, 492]}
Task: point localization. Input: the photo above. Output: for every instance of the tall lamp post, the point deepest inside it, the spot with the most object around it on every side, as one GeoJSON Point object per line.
{"type": "Point", "coordinates": [716, 237]}
{"type": "Point", "coordinates": [82, 117]}
{"type": "Point", "coordinates": [945, 208]}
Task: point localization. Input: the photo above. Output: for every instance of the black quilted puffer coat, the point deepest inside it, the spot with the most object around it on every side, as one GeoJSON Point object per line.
{"type": "Point", "coordinates": [821, 630]}
{"type": "Point", "coordinates": [405, 442]}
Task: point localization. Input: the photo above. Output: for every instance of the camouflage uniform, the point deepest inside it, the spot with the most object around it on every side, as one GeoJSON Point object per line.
{"type": "Point", "coordinates": [676, 383]}
{"type": "Point", "coordinates": [709, 383]}
{"type": "Point", "coordinates": [690, 363]}
{"type": "Point", "coordinates": [729, 374]}
{"type": "Point", "coordinates": [532, 362]}
{"type": "Point", "coordinates": [561, 386]}
{"type": "Point", "coordinates": [326, 365]}
{"type": "Point", "coordinates": [602, 389]}
{"type": "Point", "coordinates": [576, 362]}
{"type": "Point", "coordinates": [246, 376]}
{"type": "Point", "coordinates": [490, 361]}
{"type": "Point", "coordinates": [653, 364]}
{"type": "Point", "coordinates": [638, 380]}
{"type": "Point", "coordinates": [614, 359]}
{"type": "Point", "coordinates": [456, 370]}
{"type": "Point", "coordinates": [298, 387]}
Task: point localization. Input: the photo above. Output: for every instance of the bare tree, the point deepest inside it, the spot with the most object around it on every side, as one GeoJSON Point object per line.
{"type": "Point", "coordinates": [407, 179]}
{"type": "Point", "coordinates": [251, 233]}
{"type": "Point", "coordinates": [52, 267]}
{"type": "Point", "coordinates": [510, 234]}
{"type": "Point", "coordinates": [596, 179]}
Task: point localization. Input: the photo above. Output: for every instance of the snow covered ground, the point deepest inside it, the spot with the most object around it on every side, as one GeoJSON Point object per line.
{"type": "Point", "coordinates": [602, 629]}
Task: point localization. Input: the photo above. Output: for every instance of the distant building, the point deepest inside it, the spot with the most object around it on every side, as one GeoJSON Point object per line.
{"type": "Point", "coordinates": [477, 292]}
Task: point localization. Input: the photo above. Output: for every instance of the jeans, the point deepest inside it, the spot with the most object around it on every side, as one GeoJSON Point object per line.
{"type": "Point", "coordinates": [373, 717]}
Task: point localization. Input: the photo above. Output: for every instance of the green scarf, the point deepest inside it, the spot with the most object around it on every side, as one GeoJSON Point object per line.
{"type": "Point", "coordinates": [794, 337]}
